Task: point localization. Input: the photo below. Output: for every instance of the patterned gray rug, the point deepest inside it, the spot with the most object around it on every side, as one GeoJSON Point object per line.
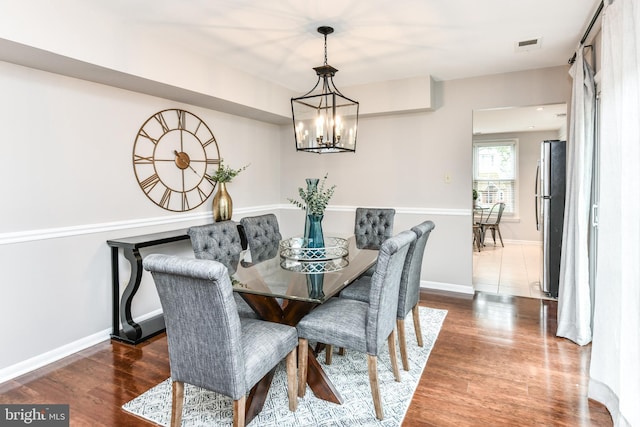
{"type": "Point", "coordinates": [348, 373]}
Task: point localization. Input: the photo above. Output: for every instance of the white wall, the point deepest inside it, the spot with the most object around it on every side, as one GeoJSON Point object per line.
{"type": "Point", "coordinates": [401, 162]}
{"type": "Point", "coordinates": [68, 186]}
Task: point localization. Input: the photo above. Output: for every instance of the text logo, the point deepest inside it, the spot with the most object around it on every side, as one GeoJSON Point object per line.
{"type": "Point", "coordinates": [34, 415]}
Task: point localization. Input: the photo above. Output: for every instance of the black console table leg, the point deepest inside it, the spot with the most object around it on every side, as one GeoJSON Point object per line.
{"type": "Point", "coordinates": [131, 329]}
{"type": "Point", "coordinates": [135, 332]}
{"type": "Point", "coordinates": [115, 293]}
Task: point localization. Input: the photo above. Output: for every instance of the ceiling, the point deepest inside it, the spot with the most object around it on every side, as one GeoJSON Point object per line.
{"type": "Point", "coordinates": [533, 118]}
{"type": "Point", "coordinates": [374, 40]}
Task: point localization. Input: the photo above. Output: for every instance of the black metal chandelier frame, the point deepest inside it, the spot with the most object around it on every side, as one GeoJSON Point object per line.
{"type": "Point", "coordinates": [325, 104]}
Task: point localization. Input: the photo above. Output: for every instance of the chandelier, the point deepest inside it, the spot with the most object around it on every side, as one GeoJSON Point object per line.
{"type": "Point", "coordinates": [324, 120]}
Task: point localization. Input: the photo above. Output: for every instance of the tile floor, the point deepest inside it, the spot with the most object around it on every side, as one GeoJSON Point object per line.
{"type": "Point", "coordinates": [512, 270]}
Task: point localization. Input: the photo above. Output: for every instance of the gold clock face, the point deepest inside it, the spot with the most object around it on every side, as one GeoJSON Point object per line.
{"type": "Point", "coordinates": [171, 156]}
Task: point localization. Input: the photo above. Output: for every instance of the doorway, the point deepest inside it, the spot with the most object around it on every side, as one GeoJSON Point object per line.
{"type": "Point", "coordinates": [515, 268]}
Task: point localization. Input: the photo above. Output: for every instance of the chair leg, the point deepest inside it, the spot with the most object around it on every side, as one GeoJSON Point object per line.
{"type": "Point", "coordinates": [303, 353]}
{"type": "Point", "coordinates": [416, 324]}
{"type": "Point", "coordinates": [342, 351]}
{"type": "Point", "coordinates": [402, 342]}
{"type": "Point", "coordinates": [393, 354]}
{"type": "Point", "coordinates": [499, 235]}
{"type": "Point", "coordinates": [328, 354]}
{"type": "Point", "coordinates": [476, 238]}
{"type": "Point", "coordinates": [292, 380]}
{"type": "Point", "coordinates": [372, 364]}
{"type": "Point", "coordinates": [177, 400]}
{"type": "Point", "coordinates": [239, 406]}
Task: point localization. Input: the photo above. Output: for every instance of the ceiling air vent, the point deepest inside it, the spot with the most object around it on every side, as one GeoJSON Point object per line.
{"type": "Point", "coordinates": [527, 45]}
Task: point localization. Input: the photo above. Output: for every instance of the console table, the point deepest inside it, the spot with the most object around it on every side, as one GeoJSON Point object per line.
{"type": "Point", "coordinates": [133, 332]}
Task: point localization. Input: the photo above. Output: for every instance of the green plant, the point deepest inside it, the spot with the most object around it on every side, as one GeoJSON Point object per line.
{"type": "Point", "coordinates": [475, 194]}
{"type": "Point", "coordinates": [316, 200]}
{"type": "Point", "coordinates": [225, 173]}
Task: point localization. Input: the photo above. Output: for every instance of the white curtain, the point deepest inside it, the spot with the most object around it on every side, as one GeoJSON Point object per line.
{"type": "Point", "coordinates": [615, 353]}
{"type": "Point", "coordinates": [574, 294]}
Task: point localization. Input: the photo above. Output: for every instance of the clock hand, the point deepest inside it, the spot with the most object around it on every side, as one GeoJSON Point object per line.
{"type": "Point", "coordinates": [188, 163]}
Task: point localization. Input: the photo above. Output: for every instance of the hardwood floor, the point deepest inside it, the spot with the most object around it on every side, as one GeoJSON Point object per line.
{"type": "Point", "coordinates": [496, 362]}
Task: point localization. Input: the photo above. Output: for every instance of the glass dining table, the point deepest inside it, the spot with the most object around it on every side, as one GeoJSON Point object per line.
{"type": "Point", "coordinates": [284, 282]}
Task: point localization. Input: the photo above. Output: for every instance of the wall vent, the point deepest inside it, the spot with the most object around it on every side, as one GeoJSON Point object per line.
{"type": "Point", "coordinates": [527, 45]}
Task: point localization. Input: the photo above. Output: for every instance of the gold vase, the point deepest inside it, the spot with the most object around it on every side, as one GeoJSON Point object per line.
{"type": "Point", "coordinates": [222, 204]}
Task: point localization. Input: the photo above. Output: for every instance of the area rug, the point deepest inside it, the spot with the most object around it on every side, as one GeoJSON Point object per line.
{"type": "Point", "coordinates": [348, 373]}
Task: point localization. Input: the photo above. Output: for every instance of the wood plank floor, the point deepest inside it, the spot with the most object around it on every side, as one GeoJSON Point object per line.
{"type": "Point", "coordinates": [496, 362]}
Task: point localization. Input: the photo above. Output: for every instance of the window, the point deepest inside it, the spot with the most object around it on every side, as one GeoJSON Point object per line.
{"type": "Point", "coordinates": [494, 173]}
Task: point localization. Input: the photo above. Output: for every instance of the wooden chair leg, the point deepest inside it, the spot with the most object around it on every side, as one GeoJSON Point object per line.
{"type": "Point", "coordinates": [239, 406]}
{"type": "Point", "coordinates": [342, 351]}
{"type": "Point", "coordinates": [372, 364]}
{"type": "Point", "coordinates": [292, 380]}
{"type": "Point", "coordinates": [402, 342]}
{"type": "Point", "coordinates": [177, 400]}
{"type": "Point", "coordinates": [303, 353]}
{"type": "Point", "coordinates": [328, 354]}
{"type": "Point", "coordinates": [393, 354]}
{"type": "Point", "coordinates": [416, 324]}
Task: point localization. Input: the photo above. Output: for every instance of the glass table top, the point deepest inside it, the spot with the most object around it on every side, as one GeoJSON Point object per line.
{"type": "Point", "coordinates": [270, 274]}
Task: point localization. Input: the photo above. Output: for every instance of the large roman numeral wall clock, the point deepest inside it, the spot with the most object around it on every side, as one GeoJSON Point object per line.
{"type": "Point", "coordinates": [171, 155]}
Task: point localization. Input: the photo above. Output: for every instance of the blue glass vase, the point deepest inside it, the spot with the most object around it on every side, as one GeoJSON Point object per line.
{"type": "Point", "coordinates": [315, 284]}
{"type": "Point", "coordinates": [314, 238]}
{"type": "Point", "coordinates": [312, 187]}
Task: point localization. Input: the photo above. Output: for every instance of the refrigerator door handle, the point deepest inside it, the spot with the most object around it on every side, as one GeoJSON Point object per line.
{"type": "Point", "coordinates": [594, 215]}
{"type": "Point", "coordinates": [537, 197]}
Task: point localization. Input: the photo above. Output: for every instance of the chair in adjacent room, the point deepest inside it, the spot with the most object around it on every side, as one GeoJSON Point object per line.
{"type": "Point", "coordinates": [210, 346]}
{"type": "Point", "coordinates": [263, 236]}
{"type": "Point", "coordinates": [361, 326]}
{"type": "Point", "coordinates": [492, 222]}
{"type": "Point", "coordinates": [221, 242]}
{"type": "Point", "coordinates": [409, 293]}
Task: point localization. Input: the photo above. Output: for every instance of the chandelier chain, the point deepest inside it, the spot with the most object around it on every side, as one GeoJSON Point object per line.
{"type": "Point", "coordinates": [325, 49]}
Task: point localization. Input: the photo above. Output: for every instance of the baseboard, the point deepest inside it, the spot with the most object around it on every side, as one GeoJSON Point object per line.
{"type": "Point", "coordinates": [26, 366]}
{"type": "Point", "coordinates": [600, 392]}
{"type": "Point", "coordinates": [449, 287]}
{"type": "Point", "coordinates": [522, 242]}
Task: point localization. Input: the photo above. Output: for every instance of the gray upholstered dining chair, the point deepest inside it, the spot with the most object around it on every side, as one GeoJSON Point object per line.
{"type": "Point", "coordinates": [409, 293]}
{"type": "Point", "coordinates": [361, 326]}
{"type": "Point", "coordinates": [263, 235]}
{"type": "Point", "coordinates": [373, 226]}
{"type": "Point", "coordinates": [220, 242]}
{"type": "Point", "coordinates": [492, 223]}
{"type": "Point", "coordinates": [210, 346]}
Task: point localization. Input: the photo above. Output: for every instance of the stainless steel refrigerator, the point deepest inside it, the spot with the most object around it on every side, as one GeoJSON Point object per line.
{"type": "Point", "coordinates": [549, 196]}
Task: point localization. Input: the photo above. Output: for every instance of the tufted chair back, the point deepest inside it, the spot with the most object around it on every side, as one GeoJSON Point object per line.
{"type": "Point", "coordinates": [219, 241]}
{"type": "Point", "coordinates": [263, 236]}
{"type": "Point", "coordinates": [373, 226]}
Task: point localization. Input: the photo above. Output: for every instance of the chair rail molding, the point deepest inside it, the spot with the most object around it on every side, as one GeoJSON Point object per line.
{"type": "Point", "coordinates": [78, 230]}
{"type": "Point", "coordinates": [399, 210]}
